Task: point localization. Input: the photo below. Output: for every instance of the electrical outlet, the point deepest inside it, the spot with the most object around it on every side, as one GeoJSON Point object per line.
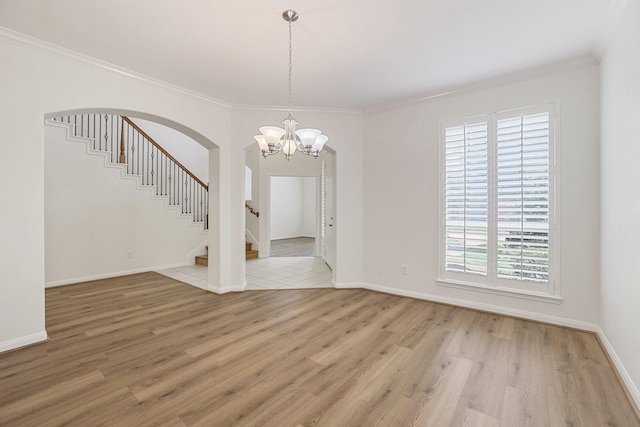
{"type": "Point", "coordinates": [403, 269]}
{"type": "Point", "coordinates": [130, 253]}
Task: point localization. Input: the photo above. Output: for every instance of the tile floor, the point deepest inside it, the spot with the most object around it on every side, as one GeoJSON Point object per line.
{"type": "Point", "coordinates": [267, 273]}
{"type": "Point", "coordinates": [296, 246]}
{"type": "Point", "coordinates": [288, 273]}
{"type": "Point", "coordinates": [196, 275]}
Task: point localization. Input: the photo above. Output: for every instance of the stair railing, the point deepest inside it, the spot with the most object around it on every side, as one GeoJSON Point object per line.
{"type": "Point", "coordinates": [254, 212]}
{"type": "Point", "coordinates": [123, 142]}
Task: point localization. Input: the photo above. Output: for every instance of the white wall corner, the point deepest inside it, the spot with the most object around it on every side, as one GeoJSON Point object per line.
{"type": "Point", "coordinates": [19, 342]}
{"type": "Point", "coordinates": [82, 279]}
{"type": "Point", "coordinates": [609, 23]}
{"type": "Point", "coordinates": [632, 389]}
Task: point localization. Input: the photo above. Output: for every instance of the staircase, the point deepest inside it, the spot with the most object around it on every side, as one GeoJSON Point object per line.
{"type": "Point", "coordinates": [250, 254]}
{"type": "Point", "coordinates": [202, 260]}
{"type": "Point", "coordinates": [125, 145]}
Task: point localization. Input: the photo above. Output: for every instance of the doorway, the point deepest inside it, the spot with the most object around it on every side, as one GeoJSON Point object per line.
{"type": "Point", "coordinates": [293, 219]}
{"type": "Point", "coordinates": [273, 270]}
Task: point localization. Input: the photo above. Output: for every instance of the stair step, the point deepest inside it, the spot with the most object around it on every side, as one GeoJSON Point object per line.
{"type": "Point", "coordinates": [250, 254]}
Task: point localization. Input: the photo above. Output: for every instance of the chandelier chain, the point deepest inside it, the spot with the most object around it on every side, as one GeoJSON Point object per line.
{"type": "Point", "coordinates": [290, 70]}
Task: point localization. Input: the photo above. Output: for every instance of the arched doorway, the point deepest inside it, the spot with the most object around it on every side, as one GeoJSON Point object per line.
{"type": "Point", "coordinates": [271, 272]}
{"type": "Point", "coordinates": [93, 231]}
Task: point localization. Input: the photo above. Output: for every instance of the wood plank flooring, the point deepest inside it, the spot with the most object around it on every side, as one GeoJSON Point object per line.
{"type": "Point", "coordinates": [148, 350]}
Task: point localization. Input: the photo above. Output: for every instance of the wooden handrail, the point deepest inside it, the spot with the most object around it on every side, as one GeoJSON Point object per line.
{"type": "Point", "coordinates": [256, 213]}
{"type": "Point", "coordinates": [133, 125]}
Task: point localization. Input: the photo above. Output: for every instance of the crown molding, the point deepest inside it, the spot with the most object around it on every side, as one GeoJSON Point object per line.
{"type": "Point", "coordinates": [29, 42]}
{"type": "Point", "coordinates": [26, 41]}
{"type": "Point", "coordinates": [276, 108]}
{"type": "Point", "coordinates": [545, 70]}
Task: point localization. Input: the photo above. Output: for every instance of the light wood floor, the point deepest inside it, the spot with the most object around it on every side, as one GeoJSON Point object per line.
{"type": "Point", "coordinates": [148, 350]}
{"type": "Point", "coordinates": [296, 246]}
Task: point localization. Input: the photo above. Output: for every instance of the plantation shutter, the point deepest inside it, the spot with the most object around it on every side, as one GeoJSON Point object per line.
{"type": "Point", "coordinates": [466, 198]}
{"type": "Point", "coordinates": [523, 176]}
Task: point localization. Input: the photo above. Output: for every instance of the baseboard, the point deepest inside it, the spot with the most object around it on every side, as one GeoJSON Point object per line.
{"type": "Point", "coordinates": [226, 289]}
{"type": "Point", "coordinates": [110, 275]}
{"type": "Point", "coordinates": [507, 311]}
{"type": "Point", "coordinates": [23, 341]}
{"type": "Point", "coordinates": [351, 285]}
{"type": "Point", "coordinates": [292, 237]}
{"type": "Point", "coordinates": [631, 388]}
{"type": "Point", "coordinates": [201, 249]}
{"type": "Point", "coordinates": [529, 315]}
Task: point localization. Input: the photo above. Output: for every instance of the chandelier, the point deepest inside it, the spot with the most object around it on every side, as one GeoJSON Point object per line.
{"type": "Point", "coordinates": [274, 139]}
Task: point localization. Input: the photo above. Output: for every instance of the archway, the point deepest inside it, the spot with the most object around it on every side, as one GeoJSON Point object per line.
{"type": "Point", "coordinates": [101, 253]}
{"type": "Point", "coordinates": [258, 228]}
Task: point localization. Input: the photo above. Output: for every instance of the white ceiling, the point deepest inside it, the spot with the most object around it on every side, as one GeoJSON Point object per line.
{"type": "Point", "coordinates": [346, 53]}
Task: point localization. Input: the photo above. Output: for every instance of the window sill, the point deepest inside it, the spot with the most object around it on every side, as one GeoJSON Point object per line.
{"type": "Point", "coordinates": [508, 292]}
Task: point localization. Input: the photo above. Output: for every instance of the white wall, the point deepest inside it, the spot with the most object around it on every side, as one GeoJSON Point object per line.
{"type": "Point", "coordinates": [94, 218]}
{"type": "Point", "coordinates": [293, 207]}
{"type": "Point", "coordinates": [401, 192]}
{"type": "Point", "coordinates": [190, 153]}
{"type": "Point", "coordinates": [620, 181]}
{"type": "Point", "coordinates": [309, 207]}
{"type": "Point", "coordinates": [285, 217]}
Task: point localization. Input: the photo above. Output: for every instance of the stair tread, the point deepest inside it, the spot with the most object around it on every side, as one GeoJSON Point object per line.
{"type": "Point", "coordinates": [250, 254]}
{"type": "Point", "coordinates": [202, 260]}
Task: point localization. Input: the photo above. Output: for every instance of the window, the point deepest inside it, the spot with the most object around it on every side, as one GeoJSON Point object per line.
{"type": "Point", "coordinates": [497, 201]}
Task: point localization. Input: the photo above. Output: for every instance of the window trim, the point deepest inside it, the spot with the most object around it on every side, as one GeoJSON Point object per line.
{"type": "Point", "coordinates": [547, 292]}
